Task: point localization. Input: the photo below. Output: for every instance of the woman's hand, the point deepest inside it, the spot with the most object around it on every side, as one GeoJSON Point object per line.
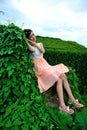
{"type": "Point", "coordinates": [31, 48]}
{"type": "Point", "coordinates": [32, 43]}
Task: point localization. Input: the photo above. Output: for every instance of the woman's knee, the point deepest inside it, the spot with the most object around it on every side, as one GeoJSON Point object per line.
{"type": "Point", "coordinates": [59, 81]}
{"type": "Point", "coordinates": [63, 77]}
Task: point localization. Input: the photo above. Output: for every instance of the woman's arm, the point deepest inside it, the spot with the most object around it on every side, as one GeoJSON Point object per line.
{"type": "Point", "coordinates": [31, 48]}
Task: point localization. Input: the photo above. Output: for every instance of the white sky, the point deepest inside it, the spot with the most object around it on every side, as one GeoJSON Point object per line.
{"type": "Point", "coordinates": [65, 19]}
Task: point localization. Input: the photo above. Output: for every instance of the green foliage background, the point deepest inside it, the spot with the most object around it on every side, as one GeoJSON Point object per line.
{"type": "Point", "coordinates": [22, 107]}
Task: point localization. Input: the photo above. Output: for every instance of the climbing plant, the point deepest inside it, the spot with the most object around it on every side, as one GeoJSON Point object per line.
{"type": "Point", "coordinates": [21, 105]}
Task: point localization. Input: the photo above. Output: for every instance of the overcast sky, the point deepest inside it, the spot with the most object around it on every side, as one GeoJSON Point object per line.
{"type": "Point", "coordinates": [65, 19]}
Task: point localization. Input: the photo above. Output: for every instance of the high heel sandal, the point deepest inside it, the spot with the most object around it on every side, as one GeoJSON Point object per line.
{"type": "Point", "coordinates": [77, 104]}
{"type": "Point", "coordinates": [66, 109]}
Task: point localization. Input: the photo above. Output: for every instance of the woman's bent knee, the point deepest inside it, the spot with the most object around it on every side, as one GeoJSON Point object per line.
{"type": "Point", "coordinates": [59, 81]}
{"type": "Point", "coordinates": [63, 77]}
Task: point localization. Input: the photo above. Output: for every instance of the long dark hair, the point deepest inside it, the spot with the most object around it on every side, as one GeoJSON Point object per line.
{"type": "Point", "coordinates": [27, 33]}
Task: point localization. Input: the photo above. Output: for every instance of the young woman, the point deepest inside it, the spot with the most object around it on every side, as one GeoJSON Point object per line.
{"type": "Point", "coordinates": [47, 75]}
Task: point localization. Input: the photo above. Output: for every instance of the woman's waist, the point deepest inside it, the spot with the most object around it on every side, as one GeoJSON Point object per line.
{"type": "Point", "coordinates": [39, 58]}
{"type": "Point", "coordinates": [36, 55]}
{"type": "Point", "coordinates": [40, 63]}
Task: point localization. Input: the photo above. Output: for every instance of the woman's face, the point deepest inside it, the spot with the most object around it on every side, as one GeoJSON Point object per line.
{"type": "Point", "coordinates": [32, 37]}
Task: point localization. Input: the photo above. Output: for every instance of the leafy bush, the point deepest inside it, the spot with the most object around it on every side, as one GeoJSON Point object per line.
{"type": "Point", "coordinates": [21, 105]}
{"type": "Point", "coordinates": [63, 121]}
{"type": "Point", "coordinates": [81, 121]}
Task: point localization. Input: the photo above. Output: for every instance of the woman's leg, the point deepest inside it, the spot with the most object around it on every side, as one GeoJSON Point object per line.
{"type": "Point", "coordinates": [62, 105]}
{"type": "Point", "coordinates": [68, 90]}
{"type": "Point", "coordinates": [67, 86]}
{"type": "Point", "coordinates": [59, 89]}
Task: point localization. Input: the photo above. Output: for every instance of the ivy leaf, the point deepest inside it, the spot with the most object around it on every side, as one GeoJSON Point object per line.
{"type": "Point", "coordinates": [10, 73]}
{"type": "Point", "coordinates": [8, 124]}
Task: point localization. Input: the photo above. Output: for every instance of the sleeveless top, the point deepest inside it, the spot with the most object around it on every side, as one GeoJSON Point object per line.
{"type": "Point", "coordinates": [36, 53]}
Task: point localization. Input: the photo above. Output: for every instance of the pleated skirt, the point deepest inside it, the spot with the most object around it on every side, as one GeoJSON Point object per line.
{"type": "Point", "coordinates": [46, 74]}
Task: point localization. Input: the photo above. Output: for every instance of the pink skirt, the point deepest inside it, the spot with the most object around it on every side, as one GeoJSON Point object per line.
{"type": "Point", "coordinates": [46, 74]}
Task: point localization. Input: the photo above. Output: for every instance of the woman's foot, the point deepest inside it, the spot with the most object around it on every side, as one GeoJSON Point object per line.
{"type": "Point", "coordinates": [66, 109]}
{"type": "Point", "coordinates": [77, 104]}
